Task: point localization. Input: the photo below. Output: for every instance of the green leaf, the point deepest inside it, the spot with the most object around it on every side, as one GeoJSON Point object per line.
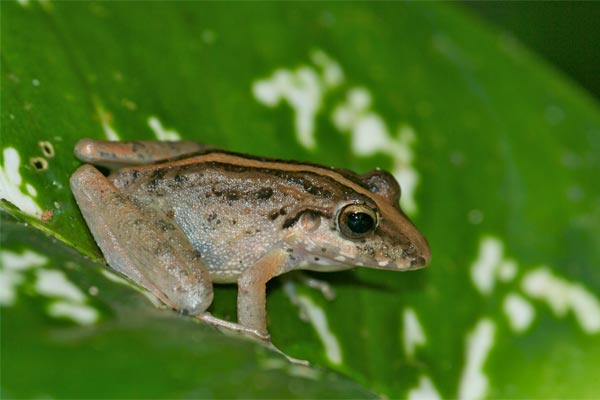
{"type": "Point", "coordinates": [105, 340]}
{"type": "Point", "coordinates": [497, 154]}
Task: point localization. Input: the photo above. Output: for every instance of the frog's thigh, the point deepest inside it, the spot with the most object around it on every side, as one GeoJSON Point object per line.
{"type": "Point", "coordinates": [252, 290]}
{"type": "Point", "coordinates": [146, 246]}
{"type": "Point", "coordinates": [118, 154]}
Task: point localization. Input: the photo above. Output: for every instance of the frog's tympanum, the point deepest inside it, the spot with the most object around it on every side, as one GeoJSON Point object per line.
{"type": "Point", "coordinates": [176, 217]}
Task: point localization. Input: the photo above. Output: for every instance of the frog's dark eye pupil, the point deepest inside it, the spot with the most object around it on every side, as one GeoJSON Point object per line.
{"type": "Point", "coordinates": [359, 222]}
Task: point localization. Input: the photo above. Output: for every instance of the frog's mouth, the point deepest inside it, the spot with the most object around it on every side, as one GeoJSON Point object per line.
{"type": "Point", "coordinates": [407, 264]}
{"type": "Point", "coordinates": [332, 263]}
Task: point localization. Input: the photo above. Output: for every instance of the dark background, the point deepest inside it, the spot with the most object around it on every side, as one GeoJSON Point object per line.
{"type": "Point", "coordinates": [566, 34]}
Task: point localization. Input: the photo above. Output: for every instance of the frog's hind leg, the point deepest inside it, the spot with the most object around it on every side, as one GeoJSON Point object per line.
{"type": "Point", "coordinates": [120, 154]}
{"type": "Point", "coordinates": [144, 245]}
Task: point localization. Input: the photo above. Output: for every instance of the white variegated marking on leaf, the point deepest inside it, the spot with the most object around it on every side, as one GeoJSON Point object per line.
{"type": "Point", "coordinates": [371, 135]}
{"type": "Point", "coordinates": [54, 283]}
{"type": "Point", "coordinates": [105, 119]}
{"type": "Point", "coordinates": [109, 132]}
{"type": "Point", "coordinates": [520, 312]}
{"type": "Point", "coordinates": [408, 179]}
{"type": "Point", "coordinates": [9, 280]}
{"type": "Point", "coordinates": [12, 266]}
{"type": "Point", "coordinates": [318, 319]}
{"type": "Point", "coordinates": [316, 316]}
{"type": "Point", "coordinates": [424, 391]}
{"type": "Point", "coordinates": [77, 312]}
{"type": "Point", "coordinates": [69, 300]}
{"type": "Point", "coordinates": [31, 190]}
{"type": "Point", "coordinates": [11, 182]}
{"type": "Point", "coordinates": [404, 170]}
{"type": "Point", "coordinates": [473, 382]}
{"type": "Point", "coordinates": [303, 90]}
{"type": "Point", "coordinates": [26, 260]}
{"type": "Point", "coordinates": [484, 269]}
{"type": "Point", "coordinates": [161, 132]}
{"type": "Point", "coordinates": [24, 3]}
{"type": "Point", "coordinates": [414, 334]}
{"type": "Point", "coordinates": [331, 72]}
{"type": "Point", "coordinates": [562, 296]}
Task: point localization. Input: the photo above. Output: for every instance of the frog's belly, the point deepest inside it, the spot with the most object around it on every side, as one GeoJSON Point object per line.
{"type": "Point", "coordinates": [228, 244]}
{"type": "Point", "coordinates": [231, 235]}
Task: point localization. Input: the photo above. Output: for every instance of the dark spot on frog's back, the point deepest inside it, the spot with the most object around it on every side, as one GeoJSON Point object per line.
{"type": "Point", "coordinates": [180, 178]}
{"type": "Point", "coordinates": [216, 191]}
{"type": "Point", "coordinates": [232, 196]}
{"type": "Point", "coordinates": [318, 191]}
{"type": "Point", "coordinates": [152, 185]}
{"type": "Point", "coordinates": [264, 193]}
{"type": "Point", "coordinates": [159, 173]}
{"type": "Point", "coordinates": [164, 225]}
{"type": "Point", "coordinates": [126, 178]}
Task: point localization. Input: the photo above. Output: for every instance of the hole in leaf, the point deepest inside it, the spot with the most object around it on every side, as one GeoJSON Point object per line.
{"type": "Point", "coordinates": [40, 164]}
{"type": "Point", "coordinates": [47, 149]}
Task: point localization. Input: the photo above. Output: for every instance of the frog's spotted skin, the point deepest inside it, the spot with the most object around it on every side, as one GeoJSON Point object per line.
{"type": "Point", "coordinates": [186, 215]}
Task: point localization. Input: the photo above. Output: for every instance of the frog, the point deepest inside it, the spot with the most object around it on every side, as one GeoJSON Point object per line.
{"type": "Point", "coordinates": [177, 217]}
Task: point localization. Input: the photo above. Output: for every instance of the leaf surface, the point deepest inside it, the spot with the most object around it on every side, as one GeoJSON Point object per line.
{"type": "Point", "coordinates": [497, 155]}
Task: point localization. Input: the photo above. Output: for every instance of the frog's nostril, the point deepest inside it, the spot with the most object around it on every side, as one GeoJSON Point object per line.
{"type": "Point", "coordinates": [418, 262]}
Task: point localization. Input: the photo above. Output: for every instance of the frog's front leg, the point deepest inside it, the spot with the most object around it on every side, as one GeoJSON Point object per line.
{"type": "Point", "coordinates": [142, 243]}
{"type": "Point", "coordinates": [252, 289]}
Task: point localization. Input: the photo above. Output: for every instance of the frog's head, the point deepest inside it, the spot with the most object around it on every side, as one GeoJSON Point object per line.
{"type": "Point", "coordinates": [366, 228]}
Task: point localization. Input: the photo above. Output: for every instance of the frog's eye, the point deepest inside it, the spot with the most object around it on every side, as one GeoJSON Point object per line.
{"type": "Point", "coordinates": [356, 220]}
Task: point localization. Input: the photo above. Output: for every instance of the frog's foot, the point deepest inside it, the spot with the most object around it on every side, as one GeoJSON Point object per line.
{"type": "Point", "coordinates": [264, 338]}
{"type": "Point", "coordinates": [232, 326]}
{"type": "Point", "coordinates": [293, 360]}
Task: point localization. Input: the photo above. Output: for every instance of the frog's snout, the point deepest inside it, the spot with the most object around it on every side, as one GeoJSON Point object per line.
{"type": "Point", "coordinates": [422, 254]}
{"type": "Point", "coordinates": [418, 262]}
